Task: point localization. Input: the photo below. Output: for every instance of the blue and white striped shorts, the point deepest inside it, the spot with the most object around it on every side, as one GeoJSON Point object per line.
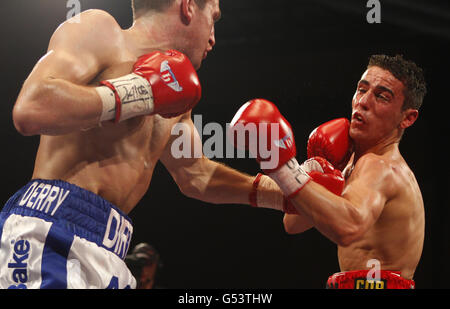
{"type": "Point", "coordinates": [57, 235]}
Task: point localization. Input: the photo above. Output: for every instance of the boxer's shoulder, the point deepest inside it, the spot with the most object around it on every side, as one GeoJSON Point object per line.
{"type": "Point", "coordinates": [372, 162]}
{"type": "Point", "coordinates": [102, 21]}
{"type": "Point", "coordinates": [91, 26]}
{"type": "Point", "coordinates": [95, 38]}
{"type": "Point", "coordinates": [377, 170]}
{"type": "Point", "coordinates": [390, 170]}
{"type": "Point", "coordinates": [388, 162]}
{"type": "Point", "coordinates": [94, 16]}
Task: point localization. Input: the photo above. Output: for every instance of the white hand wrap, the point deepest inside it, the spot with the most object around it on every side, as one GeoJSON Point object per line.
{"type": "Point", "coordinates": [290, 177]}
{"type": "Point", "coordinates": [125, 97]}
{"type": "Point", "coordinates": [268, 194]}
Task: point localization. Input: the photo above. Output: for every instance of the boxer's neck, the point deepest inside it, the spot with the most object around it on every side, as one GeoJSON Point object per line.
{"type": "Point", "coordinates": [157, 31]}
{"type": "Point", "coordinates": [380, 148]}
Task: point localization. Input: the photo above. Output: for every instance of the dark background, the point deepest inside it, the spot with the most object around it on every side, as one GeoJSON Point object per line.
{"type": "Point", "coordinates": [307, 57]}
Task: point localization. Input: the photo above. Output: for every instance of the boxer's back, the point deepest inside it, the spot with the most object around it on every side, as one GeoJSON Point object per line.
{"type": "Point", "coordinates": [396, 238]}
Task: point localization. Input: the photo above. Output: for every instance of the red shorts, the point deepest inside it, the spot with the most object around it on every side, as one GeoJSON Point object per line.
{"type": "Point", "coordinates": [358, 280]}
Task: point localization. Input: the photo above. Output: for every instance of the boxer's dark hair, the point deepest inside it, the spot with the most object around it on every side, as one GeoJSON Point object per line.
{"type": "Point", "coordinates": [141, 7]}
{"type": "Point", "coordinates": [408, 73]}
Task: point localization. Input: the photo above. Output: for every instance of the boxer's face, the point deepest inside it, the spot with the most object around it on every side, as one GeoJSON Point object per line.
{"type": "Point", "coordinates": [201, 38]}
{"type": "Point", "coordinates": [377, 112]}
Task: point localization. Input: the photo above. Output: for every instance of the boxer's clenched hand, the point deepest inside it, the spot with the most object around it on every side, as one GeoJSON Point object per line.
{"type": "Point", "coordinates": [163, 83]}
{"type": "Point", "coordinates": [270, 136]}
{"type": "Point", "coordinates": [322, 172]}
{"type": "Point", "coordinates": [331, 141]}
{"type": "Point", "coordinates": [265, 193]}
{"type": "Point", "coordinates": [265, 125]}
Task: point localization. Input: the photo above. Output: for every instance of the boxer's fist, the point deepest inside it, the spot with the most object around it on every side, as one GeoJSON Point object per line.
{"type": "Point", "coordinates": [323, 172]}
{"type": "Point", "coordinates": [259, 127]}
{"type": "Point", "coordinates": [161, 83]}
{"type": "Point", "coordinates": [174, 82]}
{"type": "Point", "coordinates": [331, 141]}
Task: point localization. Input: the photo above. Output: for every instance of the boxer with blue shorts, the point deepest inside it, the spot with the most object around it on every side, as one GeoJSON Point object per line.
{"type": "Point", "coordinates": [108, 105]}
{"type": "Point", "coordinates": [68, 238]}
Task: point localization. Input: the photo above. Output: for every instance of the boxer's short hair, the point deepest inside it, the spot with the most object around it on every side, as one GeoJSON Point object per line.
{"type": "Point", "coordinates": [408, 73]}
{"type": "Point", "coordinates": [141, 7]}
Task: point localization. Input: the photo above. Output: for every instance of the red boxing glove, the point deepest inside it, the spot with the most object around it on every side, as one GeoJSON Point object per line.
{"type": "Point", "coordinates": [322, 172]}
{"type": "Point", "coordinates": [259, 127]}
{"type": "Point", "coordinates": [271, 139]}
{"type": "Point", "coordinates": [266, 195]}
{"type": "Point", "coordinates": [174, 81]}
{"type": "Point", "coordinates": [163, 83]}
{"type": "Point", "coordinates": [331, 141]}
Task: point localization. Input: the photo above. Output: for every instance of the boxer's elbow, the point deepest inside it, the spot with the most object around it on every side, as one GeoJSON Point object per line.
{"type": "Point", "coordinates": [292, 230]}
{"type": "Point", "coordinates": [295, 224]}
{"type": "Point", "coordinates": [289, 228]}
{"type": "Point", "coordinates": [188, 190]}
{"type": "Point", "coordinates": [25, 119]}
{"type": "Point", "coordinates": [350, 229]}
{"type": "Point", "coordinates": [198, 190]}
{"type": "Point", "coordinates": [347, 236]}
{"type": "Point", "coordinates": [187, 186]}
{"type": "Point", "coordinates": [195, 180]}
{"type": "Point", "coordinates": [32, 113]}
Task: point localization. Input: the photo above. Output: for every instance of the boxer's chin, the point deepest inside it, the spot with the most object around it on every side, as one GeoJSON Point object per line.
{"type": "Point", "coordinates": [197, 62]}
{"type": "Point", "coordinates": [356, 133]}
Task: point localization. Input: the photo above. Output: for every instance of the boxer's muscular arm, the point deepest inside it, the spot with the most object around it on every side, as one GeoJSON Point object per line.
{"type": "Point", "coordinates": [345, 219]}
{"type": "Point", "coordinates": [54, 99]}
{"type": "Point", "coordinates": [203, 179]}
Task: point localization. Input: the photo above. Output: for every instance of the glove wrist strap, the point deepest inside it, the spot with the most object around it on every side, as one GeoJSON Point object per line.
{"type": "Point", "coordinates": [125, 97]}
{"type": "Point", "coordinates": [290, 177]}
{"type": "Point", "coordinates": [253, 194]}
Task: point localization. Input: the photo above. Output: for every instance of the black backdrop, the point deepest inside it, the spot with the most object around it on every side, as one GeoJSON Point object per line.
{"type": "Point", "coordinates": [307, 57]}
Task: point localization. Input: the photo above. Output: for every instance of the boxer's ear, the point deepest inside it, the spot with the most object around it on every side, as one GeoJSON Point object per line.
{"type": "Point", "coordinates": [187, 11]}
{"type": "Point", "coordinates": [409, 117]}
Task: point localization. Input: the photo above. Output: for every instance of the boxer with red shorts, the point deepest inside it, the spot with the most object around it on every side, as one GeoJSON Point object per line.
{"type": "Point", "coordinates": [378, 218]}
{"type": "Point", "coordinates": [361, 280]}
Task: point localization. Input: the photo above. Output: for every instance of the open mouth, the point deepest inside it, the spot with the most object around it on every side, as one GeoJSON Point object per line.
{"type": "Point", "coordinates": [358, 118]}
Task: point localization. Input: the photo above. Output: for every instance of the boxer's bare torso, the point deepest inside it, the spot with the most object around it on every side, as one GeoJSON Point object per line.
{"type": "Point", "coordinates": [115, 161]}
{"type": "Point", "coordinates": [378, 220]}
{"type": "Point", "coordinates": [396, 238]}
